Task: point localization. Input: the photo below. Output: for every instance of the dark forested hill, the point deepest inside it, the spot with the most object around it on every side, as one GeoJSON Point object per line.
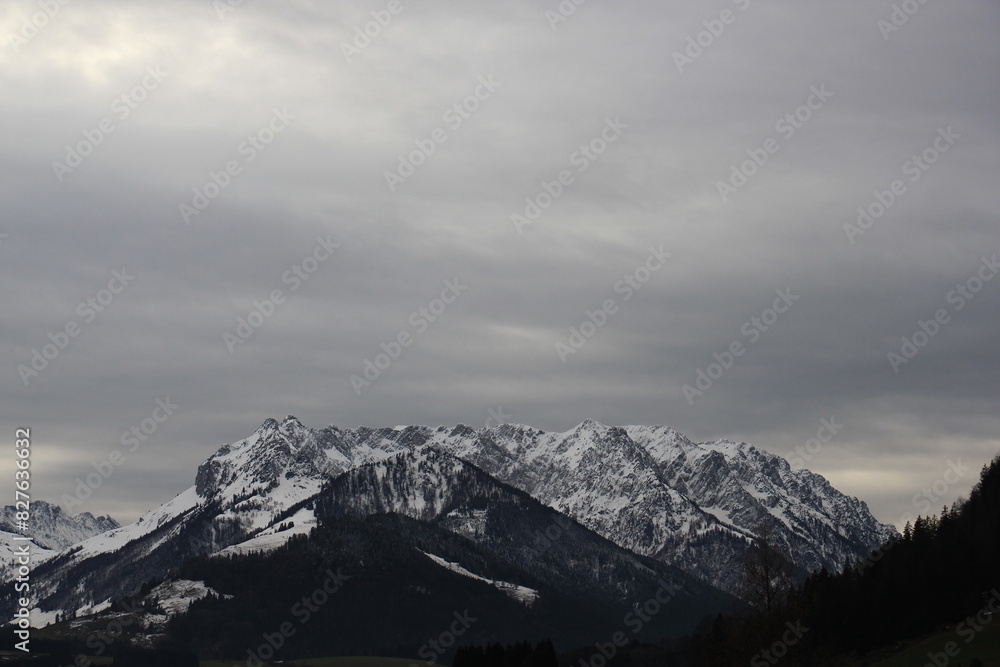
{"type": "Point", "coordinates": [943, 573]}
{"type": "Point", "coordinates": [384, 584]}
{"type": "Point", "coordinates": [942, 570]}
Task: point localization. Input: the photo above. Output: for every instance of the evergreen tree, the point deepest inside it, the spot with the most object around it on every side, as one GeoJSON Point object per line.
{"type": "Point", "coordinates": [544, 655]}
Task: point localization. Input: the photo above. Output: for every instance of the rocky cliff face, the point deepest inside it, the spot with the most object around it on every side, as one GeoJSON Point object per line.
{"type": "Point", "coordinates": [51, 528]}
{"type": "Point", "coordinates": [649, 490]}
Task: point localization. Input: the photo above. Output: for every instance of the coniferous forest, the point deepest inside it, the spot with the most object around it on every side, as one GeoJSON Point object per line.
{"type": "Point", "coordinates": [943, 573]}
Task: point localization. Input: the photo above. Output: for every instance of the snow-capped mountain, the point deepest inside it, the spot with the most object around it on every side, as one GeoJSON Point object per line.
{"type": "Point", "coordinates": [403, 580]}
{"type": "Point", "coordinates": [647, 489]}
{"type": "Point", "coordinates": [434, 533]}
{"type": "Point", "coordinates": [653, 491]}
{"type": "Point", "coordinates": [50, 530]}
{"type": "Point", "coordinates": [739, 485]}
{"type": "Point", "coordinates": [11, 550]}
{"type": "Point", "coordinates": [239, 492]}
{"type": "Point", "coordinates": [438, 488]}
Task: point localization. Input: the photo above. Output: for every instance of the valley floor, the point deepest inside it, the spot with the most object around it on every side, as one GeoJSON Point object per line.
{"type": "Point", "coordinates": [985, 646]}
{"type": "Point", "coordinates": [365, 661]}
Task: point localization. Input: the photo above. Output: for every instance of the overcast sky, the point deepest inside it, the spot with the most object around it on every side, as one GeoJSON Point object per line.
{"type": "Point", "coordinates": [116, 115]}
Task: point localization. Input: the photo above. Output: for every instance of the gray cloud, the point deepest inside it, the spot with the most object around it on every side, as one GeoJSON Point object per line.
{"type": "Point", "coordinates": [495, 345]}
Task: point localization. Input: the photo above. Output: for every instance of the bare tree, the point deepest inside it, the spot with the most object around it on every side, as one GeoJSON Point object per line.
{"type": "Point", "coordinates": [767, 572]}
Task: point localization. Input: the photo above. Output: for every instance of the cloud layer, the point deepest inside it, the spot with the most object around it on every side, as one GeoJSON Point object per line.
{"type": "Point", "coordinates": [537, 158]}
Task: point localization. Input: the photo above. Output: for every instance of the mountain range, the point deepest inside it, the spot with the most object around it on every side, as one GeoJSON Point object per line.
{"type": "Point", "coordinates": [597, 515]}
{"type": "Point", "coordinates": [50, 531]}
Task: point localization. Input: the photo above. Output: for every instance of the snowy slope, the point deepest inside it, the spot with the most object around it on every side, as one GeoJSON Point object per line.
{"type": "Point", "coordinates": [10, 550]}
{"type": "Point", "coordinates": [114, 539]}
{"type": "Point", "coordinates": [653, 491]}
{"type": "Point", "coordinates": [51, 528]}
{"type": "Point", "coordinates": [522, 594]}
{"type": "Point", "coordinates": [269, 539]}
{"type": "Point", "coordinates": [645, 488]}
{"type": "Point", "coordinates": [176, 596]}
{"type": "Point", "coordinates": [239, 492]}
{"type": "Point", "coordinates": [444, 491]}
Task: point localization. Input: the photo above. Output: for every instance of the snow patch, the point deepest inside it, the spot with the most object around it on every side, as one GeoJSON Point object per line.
{"type": "Point", "coordinates": [147, 523]}
{"type": "Point", "coordinates": [9, 545]}
{"type": "Point", "coordinates": [39, 618]}
{"type": "Point", "coordinates": [522, 594]}
{"type": "Point", "coordinates": [174, 597]}
{"type": "Point", "coordinates": [271, 538]}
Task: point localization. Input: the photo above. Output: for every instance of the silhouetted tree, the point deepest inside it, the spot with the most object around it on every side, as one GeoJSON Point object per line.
{"type": "Point", "coordinates": [767, 572]}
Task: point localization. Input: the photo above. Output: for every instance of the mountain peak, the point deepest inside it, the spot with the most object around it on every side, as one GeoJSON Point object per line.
{"type": "Point", "coordinates": [53, 528]}
{"type": "Point", "coordinates": [270, 424]}
{"type": "Point", "coordinates": [462, 430]}
{"type": "Point", "coordinates": [291, 426]}
{"type": "Point", "coordinates": [590, 425]}
{"type": "Point", "coordinates": [647, 488]}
